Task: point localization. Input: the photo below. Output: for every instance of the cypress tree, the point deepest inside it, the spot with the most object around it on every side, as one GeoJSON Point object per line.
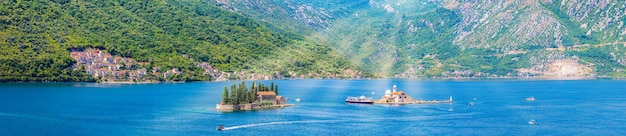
{"type": "Point", "coordinates": [238, 94]}
{"type": "Point", "coordinates": [256, 90]}
{"type": "Point", "coordinates": [250, 96]}
{"type": "Point", "coordinates": [244, 92]}
{"type": "Point", "coordinates": [276, 89]}
{"type": "Point", "coordinates": [252, 87]}
{"type": "Point", "coordinates": [243, 97]}
{"type": "Point", "coordinates": [252, 93]}
{"type": "Point", "coordinates": [272, 86]}
{"type": "Point", "coordinates": [234, 94]}
{"type": "Point", "coordinates": [225, 96]}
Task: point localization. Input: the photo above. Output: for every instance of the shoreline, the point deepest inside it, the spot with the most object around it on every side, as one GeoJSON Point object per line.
{"type": "Point", "coordinates": [412, 78]}
{"type": "Point", "coordinates": [128, 82]}
{"type": "Point", "coordinates": [416, 102]}
{"type": "Point", "coordinates": [248, 107]}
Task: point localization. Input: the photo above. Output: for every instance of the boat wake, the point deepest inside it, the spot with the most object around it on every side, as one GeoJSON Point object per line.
{"type": "Point", "coordinates": [395, 119]}
{"type": "Point", "coordinates": [281, 123]}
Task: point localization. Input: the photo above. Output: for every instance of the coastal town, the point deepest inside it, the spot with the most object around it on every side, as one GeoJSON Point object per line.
{"type": "Point", "coordinates": [106, 67]}
{"type": "Point", "coordinates": [115, 69]}
{"type": "Point", "coordinates": [109, 68]}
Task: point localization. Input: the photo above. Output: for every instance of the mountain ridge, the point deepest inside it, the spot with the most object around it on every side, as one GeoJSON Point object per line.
{"type": "Point", "coordinates": [473, 39]}
{"type": "Point", "coordinates": [201, 40]}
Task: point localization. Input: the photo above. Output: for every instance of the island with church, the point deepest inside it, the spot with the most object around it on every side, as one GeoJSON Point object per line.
{"type": "Point", "coordinates": [400, 97]}
{"type": "Point", "coordinates": [258, 96]}
{"type": "Point", "coordinates": [394, 97]}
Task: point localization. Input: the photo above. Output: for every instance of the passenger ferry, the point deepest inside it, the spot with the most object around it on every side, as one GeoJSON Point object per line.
{"type": "Point", "coordinates": [362, 99]}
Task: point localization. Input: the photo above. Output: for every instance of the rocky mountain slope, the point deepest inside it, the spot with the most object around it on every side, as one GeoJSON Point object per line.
{"type": "Point", "coordinates": [460, 38]}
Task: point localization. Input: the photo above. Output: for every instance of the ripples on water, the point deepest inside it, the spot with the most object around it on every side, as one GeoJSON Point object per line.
{"type": "Point", "coordinates": [595, 107]}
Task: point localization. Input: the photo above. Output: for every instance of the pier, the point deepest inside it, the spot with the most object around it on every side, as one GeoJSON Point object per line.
{"type": "Point", "coordinates": [418, 102]}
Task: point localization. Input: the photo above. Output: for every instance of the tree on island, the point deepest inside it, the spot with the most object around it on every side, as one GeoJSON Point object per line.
{"type": "Point", "coordinates": [233, 95]}
{"type": "Point", "coordinates": [225, 97]}
{"type": "Point", "coordinates": [244, 93]}
{"type": "Point", "coordinates": [252, 93]}
{"type": "Point", "coordinates": [240, 94]}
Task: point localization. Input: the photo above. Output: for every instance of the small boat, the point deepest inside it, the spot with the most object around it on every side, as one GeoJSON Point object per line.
{"type": "Point", "coordinates": [297, 99]}
{"type": "Point", "coordinates": [362, 99]}
{"type": "Point", "coordinates": [531, 122]}
{"type": "Point", "coordinates": [470, 104]}
{"type": "Point", "coordinates": [532, 98]}
{"type": "Point", "coordinates": [220, 127]}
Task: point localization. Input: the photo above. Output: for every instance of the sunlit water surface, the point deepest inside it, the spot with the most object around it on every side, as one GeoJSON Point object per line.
{"type": "Point", "coordinates": [589, 107]}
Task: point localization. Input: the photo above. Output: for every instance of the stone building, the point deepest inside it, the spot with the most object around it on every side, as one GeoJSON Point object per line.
{"type": "Point", "coordinates": [395, 97]}
{"type": "Point", "coordinates": [270, 96]}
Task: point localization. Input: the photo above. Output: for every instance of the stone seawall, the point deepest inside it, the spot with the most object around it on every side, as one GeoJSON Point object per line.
{"type": "Point", "coordinates": [252, 106]}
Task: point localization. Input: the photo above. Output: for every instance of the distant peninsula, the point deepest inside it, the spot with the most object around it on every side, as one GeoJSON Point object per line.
{"type": "Point", "coordinates": [259, 96]}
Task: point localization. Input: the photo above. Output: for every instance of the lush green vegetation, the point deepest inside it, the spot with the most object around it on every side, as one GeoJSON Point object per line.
{"type": "Point", "coordinates": [36, 36]}
{"type": "Point", "coordinates": [394, 37]}
{"type": "Point", "coordinates": [430, 40]}
{"type": "Point", "coordinates": [604, 58]}
{"type": "Point", "coordinates": [240, 94]}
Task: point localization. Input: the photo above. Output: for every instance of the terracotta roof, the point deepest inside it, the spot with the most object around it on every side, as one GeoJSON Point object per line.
{"type": "Point", "coordinates": [266, 93]}
{"type": "Point", "coordinates": [278, 97]}
{"type": "Point", "coordinates": [398, 93]}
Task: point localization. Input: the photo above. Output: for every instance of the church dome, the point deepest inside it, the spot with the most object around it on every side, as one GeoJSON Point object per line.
{"type": "Point", "coordinates": [388, 92]}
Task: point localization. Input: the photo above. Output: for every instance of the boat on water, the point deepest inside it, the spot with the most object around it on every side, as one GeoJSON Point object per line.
{"type": "Point", "coordinates": [531, 122]}
{"type": "Point", "coordinates": [220, 127]}
{"type": "Point", "coordinates": [532, 98]}
{"type": "Point", "coordinates": [361, 99]}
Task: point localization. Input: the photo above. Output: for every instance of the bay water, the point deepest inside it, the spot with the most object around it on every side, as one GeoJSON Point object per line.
{"type": "Point", "coordinates": [498, 107]}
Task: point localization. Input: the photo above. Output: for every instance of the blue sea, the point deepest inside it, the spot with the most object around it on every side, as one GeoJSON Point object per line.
{"type": "Point", "coordinates": [573, 107]}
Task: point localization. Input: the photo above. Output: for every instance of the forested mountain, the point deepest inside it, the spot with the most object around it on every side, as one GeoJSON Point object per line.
{"type": "Point", "coordinates": [36, 38]}
{"type": "Point", "coordinates": [251, 39]}
{"type": "Point", "coordinates": [460, 38]}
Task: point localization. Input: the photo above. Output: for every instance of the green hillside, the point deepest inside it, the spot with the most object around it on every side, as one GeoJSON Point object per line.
{"type": "Point", "coordinates": [36, 38]}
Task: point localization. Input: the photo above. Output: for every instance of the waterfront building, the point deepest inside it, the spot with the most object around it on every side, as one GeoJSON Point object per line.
{"type": "Point", "coordinates": [270, 96]}
{"type": "Point", "coordinates": [395, 96]}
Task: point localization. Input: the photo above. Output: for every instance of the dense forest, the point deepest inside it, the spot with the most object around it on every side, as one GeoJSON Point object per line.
{"type": "Point", "coordinates": [36, 37]}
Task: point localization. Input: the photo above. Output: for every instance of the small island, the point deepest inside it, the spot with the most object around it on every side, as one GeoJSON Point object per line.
{"type": "Point", "coordinates": [400, 97]}
{"type": "Point", "coordinates": [258, 96]}
{"type": "Point", "coordinates": [394, 97]}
